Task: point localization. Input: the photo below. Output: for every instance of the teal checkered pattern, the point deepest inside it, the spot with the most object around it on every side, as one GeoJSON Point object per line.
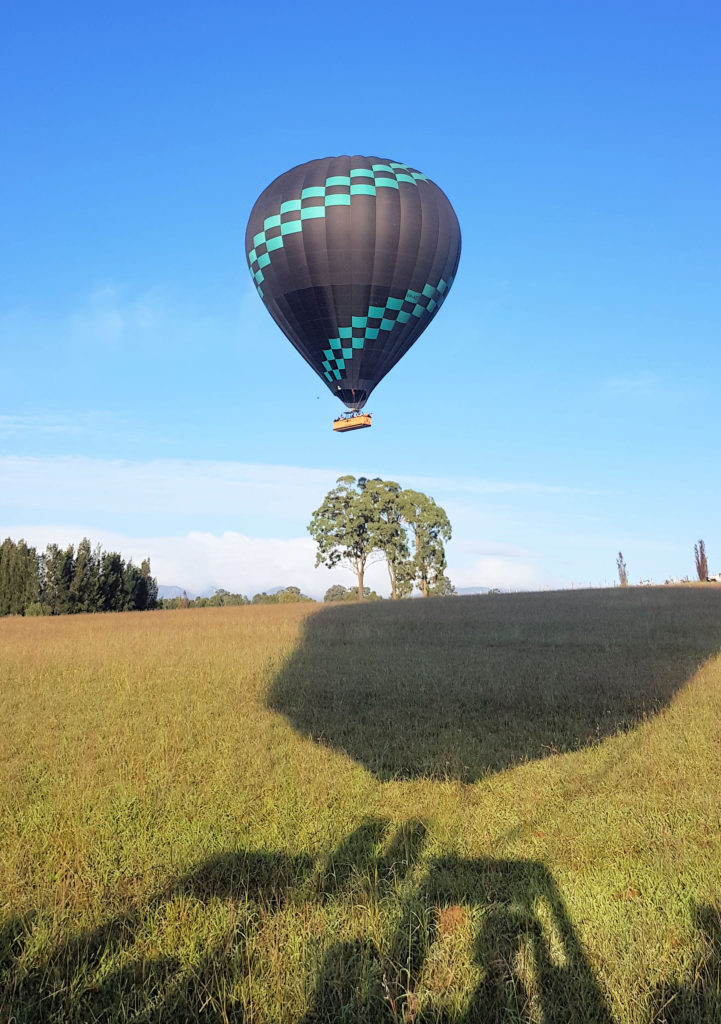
{"type": "Point", "coordinates": [380, 318]}
{"type": "Point", "coordinates": [337, 191]}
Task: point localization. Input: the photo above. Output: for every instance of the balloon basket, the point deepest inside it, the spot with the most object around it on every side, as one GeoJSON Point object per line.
{"type": "Point", "coordinates": [352, 421]}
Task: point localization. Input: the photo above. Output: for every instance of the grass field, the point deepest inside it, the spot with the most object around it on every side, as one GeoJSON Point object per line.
{"type": "Point", "coordinates": [496, 808]}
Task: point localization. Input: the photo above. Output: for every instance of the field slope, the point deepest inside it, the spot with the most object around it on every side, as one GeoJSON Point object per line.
{"type": "Point", "coordinates": [493, 808]}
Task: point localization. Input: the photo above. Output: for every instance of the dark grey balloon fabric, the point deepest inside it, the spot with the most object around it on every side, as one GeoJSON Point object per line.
{"type": "Point", "coordinates": [353, 257]}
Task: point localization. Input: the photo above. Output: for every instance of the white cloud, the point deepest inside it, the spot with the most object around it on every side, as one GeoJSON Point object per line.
{"type": "Point", "coordinates": [482, 486]}
{"type": "Point", "coordinates": [198, 560]}
{"type": "Point", "coordinates": [181, 494]}
{"type": "Point", "coordinates": [161, 486]}
{"type": "Point", "coordinates": [115, 315]}
{"type": "Point", "coordinates": [504, 573]}
{"type": "Point", "coordinates": [488, 563]}
{"type": "Point", "coordinates": [243, 526]}
{"type": "Point", "coordinates": [644, 385]}
{"type": "Point", "coordinates": [250, 565]}
{"type": "Point", "coordinates": [34, 425]}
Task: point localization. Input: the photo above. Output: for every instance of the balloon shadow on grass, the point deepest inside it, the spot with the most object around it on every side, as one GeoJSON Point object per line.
{"type": "Point", "coordinates": [460, 687]}
{"type": "Point", "coordinates": [507, 915]}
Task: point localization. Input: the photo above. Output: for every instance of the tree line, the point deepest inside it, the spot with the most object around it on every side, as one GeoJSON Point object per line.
{"type": "Point", "coordinates": [366, 520]}
{"type": "Point", "coordinates": [66, 581]}
{"type": "Point", "coordinates": [223, 599]}
{"type": "Point", "coordinates": [286, 595]}
{"type": "Point", "coordinates": [338, 593]}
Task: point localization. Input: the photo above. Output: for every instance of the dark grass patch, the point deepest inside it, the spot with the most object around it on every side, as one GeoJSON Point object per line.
{"type": "Point", "coordinates": [465, 686]}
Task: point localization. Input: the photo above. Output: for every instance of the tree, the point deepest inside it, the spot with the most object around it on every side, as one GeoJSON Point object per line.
{"type": "Point", "coordinates": [112, 597]}
{"type": "Point", "coordinates": [347, 528]}
{"type": "Point", "coordinates": [287, 595]}
{"type": "Point", "coordinates": [338, 594]}
{"type": "Point", "coordinates": [61, 582]}
{"type": "Point", "coordinates": [19, 577]}
{"type": "Point", "coordinates": [58, 572]}
{"type": "Point", "coordinates": [622, 570]}
{"type": "Point", "coordinates": [392, 537]}
{"type": "Point", "coordinates": [429, 526]}
{"type": "Point", "coordinates": [150, 587]}
{"type": "Point", "coordinates": [94, 585]}
{"type": "Point", "coordinates": [442, 588]}
{"type": "Point", "coordinates": [361, 521]}
{"type": "Point", "coordinates": [83, 593]}
{"type": "Point", "coordinates": [699, 551]}
{"type": "Point", "coordinates": [291, 595]}
{"type": "Point", "coordinates": [139, 589]}
{"type": "Point", "coordinates": [28, 578]}
{"type": "Point", "coordinates": [220, 599]}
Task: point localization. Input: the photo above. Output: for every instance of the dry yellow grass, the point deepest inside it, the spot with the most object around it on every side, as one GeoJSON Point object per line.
{"type": "Point", "coordinates": [476, 809]}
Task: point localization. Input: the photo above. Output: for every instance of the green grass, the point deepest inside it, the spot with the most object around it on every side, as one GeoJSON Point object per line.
{"type": "Point", "coordinates": [499, 808]}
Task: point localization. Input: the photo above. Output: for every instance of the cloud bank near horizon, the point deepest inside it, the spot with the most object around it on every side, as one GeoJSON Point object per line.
{"type": "Point", "coordinates": [243, 526]}
{"type": "Point", "coordinates": [250, 565]}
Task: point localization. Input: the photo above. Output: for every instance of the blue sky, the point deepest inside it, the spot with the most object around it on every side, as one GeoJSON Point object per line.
{"type": "Point", "coordinates": [562, 406]}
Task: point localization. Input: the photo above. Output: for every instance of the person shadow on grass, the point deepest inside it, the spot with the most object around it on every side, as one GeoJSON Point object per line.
{"type": "Point", "coordinates": [525, 953]}
{"type": "Point", "coordinates": [476, 941]}
{"type": "Point", "coordinates": [72, 985]}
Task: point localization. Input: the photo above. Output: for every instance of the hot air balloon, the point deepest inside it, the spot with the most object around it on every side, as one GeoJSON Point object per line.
{"type": "Point", "coordinates": [353, 256]}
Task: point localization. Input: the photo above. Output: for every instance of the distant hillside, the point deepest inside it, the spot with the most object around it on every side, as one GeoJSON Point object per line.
{"type": "Point", "coordinates": [166, 592]}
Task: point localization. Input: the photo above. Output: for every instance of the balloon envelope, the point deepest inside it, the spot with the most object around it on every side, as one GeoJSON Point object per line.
{"type": "Point", "coordinates": [353, 257]}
